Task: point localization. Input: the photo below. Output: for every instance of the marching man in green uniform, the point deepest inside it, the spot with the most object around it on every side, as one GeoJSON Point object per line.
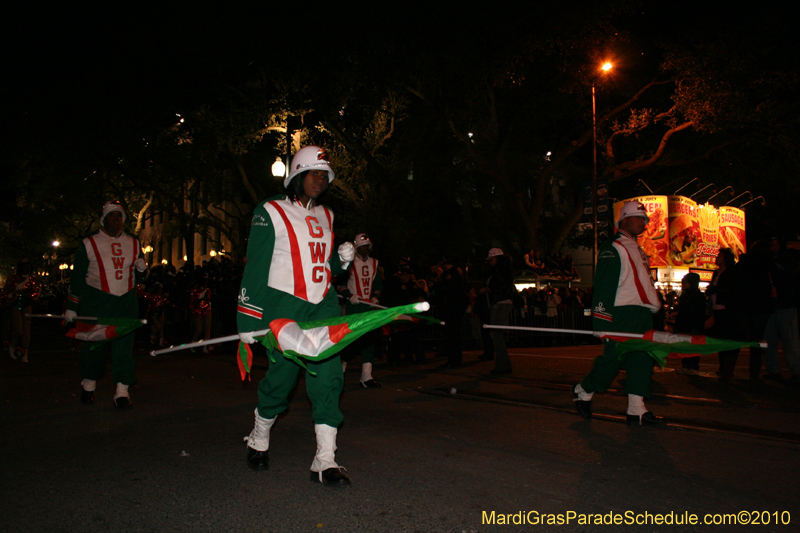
{"type": "Point", "coordinates": [103, 284]}
{"type": "Point", "coordinates": [363, 285]}
{"type": "Point", "coordinates": [290, 266]}
{"type": "Point", "coordinates": [625, 301]}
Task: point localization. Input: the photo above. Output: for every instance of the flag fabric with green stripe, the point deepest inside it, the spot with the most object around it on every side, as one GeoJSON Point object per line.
{"type": "Point", "coordinates": [320, 339]}
{"type": "Point", "coordinates": [660, 344]}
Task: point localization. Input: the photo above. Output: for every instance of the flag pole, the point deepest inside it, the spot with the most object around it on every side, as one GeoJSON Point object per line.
{"type": "Point", "coordinates": [198, 344]}
{"type": "Point", "coordinates": [678, 336]}
{"type": "Point", "coordinates": [367, 302]}
{"type": "Point", "coordinates": [62, 317]}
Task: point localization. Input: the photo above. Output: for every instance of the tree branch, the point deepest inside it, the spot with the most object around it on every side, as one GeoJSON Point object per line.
{"type": "Point", "coordinates": [631, 167]}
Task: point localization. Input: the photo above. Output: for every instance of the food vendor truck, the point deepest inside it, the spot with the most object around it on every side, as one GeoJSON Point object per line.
{"type": "Point", "coordinates": [683, 236]}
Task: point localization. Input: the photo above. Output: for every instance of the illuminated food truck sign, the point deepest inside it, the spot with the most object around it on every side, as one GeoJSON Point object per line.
{"type": "Point", "coordinates": [682, 235]}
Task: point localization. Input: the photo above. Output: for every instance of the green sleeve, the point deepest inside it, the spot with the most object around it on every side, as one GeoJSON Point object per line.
{"type": "Point", "coordinates": [254, 290]}
{"type": "Point", "coordinates": [77, 280]}
{"type": "Point", "coordinates": [606, 281]}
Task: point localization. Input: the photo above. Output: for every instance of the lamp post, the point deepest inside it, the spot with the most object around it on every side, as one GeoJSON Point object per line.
{"type": "Point", "coordinates": [604, 68]}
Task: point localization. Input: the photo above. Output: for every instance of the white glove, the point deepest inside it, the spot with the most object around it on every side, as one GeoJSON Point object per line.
{"type": "Point", "coordinates": [140, 264]}
{"type": "Point", "coordinates": [347, 251]}
{"type": "Point", "coordinates": [354, 299]}
{"type": "Point", "coordinates": [246, 337]}
{"type": "Point", "coordinates": [374, 299]}
{"type": "Point", "coordinates": [69, 316]}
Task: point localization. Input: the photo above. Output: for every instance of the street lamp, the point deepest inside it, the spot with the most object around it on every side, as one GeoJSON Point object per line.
{"type": "Point", "coordinates": [278, 168]}
{"type": "Point", "coordinates": [604, 68]}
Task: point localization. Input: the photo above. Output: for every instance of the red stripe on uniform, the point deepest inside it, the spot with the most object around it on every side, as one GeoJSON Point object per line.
{"type": "Point", "coordinates": [329, 216]}
{"type": "Point", "coordinates": [602, 317]}
{"type": "Point", "coordinates": [636, 281]}
{"type": "Point", "coordinates": [297, 262]}
{"type": "Point", "coordinates": [103, 278]}
{"type": "Point", "coordinates": [248, 312]}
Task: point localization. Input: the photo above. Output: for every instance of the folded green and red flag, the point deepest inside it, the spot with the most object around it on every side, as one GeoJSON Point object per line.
{"type": "Point", "coordinates": [320, 339]}
{"type": "Point", "coordinates": [660, 344]}
{"type": "Point", "coordinates": [104, 330]}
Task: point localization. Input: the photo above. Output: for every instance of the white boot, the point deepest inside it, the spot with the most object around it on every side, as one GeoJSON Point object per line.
{"type": "Point", "coordinates": [122, 398]}
{"type": "Point", "coordinates": [366, 372]}
{"type": "Point", "coordinates": [638, 413]}
{"type": "Point", "coordinates": [87, 391]}
{"type": "Point", "coordinates": [367, 381]}
{"type": "Point", "coordinates": [636, 405]}
{"type": "Point", "coordinates": [324, 468]}
{"type": "Point", "coordinates": [259, 437]}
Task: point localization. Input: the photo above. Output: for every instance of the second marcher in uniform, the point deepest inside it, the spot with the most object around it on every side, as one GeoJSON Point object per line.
{"type": "Point", "coordinates": [364, 284]}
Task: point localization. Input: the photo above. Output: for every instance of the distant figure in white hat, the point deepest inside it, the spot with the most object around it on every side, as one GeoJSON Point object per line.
{"type": "Point", "coordinates": [103, 284]}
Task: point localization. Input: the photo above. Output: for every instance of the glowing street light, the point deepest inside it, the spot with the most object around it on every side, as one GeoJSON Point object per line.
{"type": "Point", "coordinates": [278, 168]}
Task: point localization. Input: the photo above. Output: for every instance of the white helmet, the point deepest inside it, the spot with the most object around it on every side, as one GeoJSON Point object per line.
{"type": "Point", "coordinates": [110, 206]}
{"type": "Point", "coordinates": [362, 239]}
{"type": "Point", "coordinates": [309, 158]}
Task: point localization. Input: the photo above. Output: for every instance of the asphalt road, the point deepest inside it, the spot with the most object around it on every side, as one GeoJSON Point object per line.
{"type": "Point", "coordinates": [421, 459]}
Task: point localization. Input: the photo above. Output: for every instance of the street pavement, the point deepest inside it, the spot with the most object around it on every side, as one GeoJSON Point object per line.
{"type": "Point", "coordinates": [451, 450]}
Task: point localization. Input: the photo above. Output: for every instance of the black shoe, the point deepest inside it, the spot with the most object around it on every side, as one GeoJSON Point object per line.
{"type": "Point", "coordinates": [332, 477]}
{"type": "Point", "coordinates": [87, 396]}
{"type": "Point", "coordinates": [371, 384]}
{"type": "Point", "coordinates": [485, 357]}
{"type": "Point", "coordinates": [257, 460]}
{"type": "Point", "coordinates": [647, 419]}
{"type": "Point", "coordinates": [451, 365]}
{"type": "Point", "coordinates": [500, 371]}
{"type": "Point", "coordinates": [123, 402]}
{"type": "Point", "coordinates": [583, 407]}
{"type": "Point", "coordinates": [773, 376]}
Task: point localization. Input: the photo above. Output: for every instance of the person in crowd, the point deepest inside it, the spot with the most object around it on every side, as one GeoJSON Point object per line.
{"type": "Point", "coordinates": [720, 292]}
{"type": "Point", "coordinates": [290, 264]}
{"type": "Point", "coordinates": [103, 284]}
{"type": "Point", "coordinates": [450, 296]}
{"type": "Point", "coordinates": [625, 301]}
{"type": "Point", "coordinates": [500, 290]}
{"type": "Point", "coordinates": [782, 323]}
{"type": "Point", "coordinates": [20, 291]}
{"type": "Point", "coordinates": [200, 305]}
{"type": "Point", "coordinates": [750, 303]}
{"type": "Point", "coordinates": [690, 317]}
{"type": "Point", "coordinates": [364, 284]}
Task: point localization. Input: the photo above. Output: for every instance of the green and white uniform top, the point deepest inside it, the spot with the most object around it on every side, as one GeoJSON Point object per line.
{"type": "Point", "coordinates": [104, 263]}
{"type": "Point", "coordinates": [365, 279]}
{"type": "Point", "coordinates": [290, 251]}
{"type": "Point", "coordinates": [624, 298]}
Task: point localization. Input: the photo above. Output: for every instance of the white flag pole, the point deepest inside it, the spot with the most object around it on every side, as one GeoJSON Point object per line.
{"type": "Point", "coordinates": [62, 317]}
{"type": "Point", "coordinates": [198, 344]}
{"type": "Point", "coordinates": [676, 337]}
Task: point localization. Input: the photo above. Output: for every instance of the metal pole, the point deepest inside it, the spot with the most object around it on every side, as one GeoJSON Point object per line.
{"type": "Point", "coordinates": [594, 181]}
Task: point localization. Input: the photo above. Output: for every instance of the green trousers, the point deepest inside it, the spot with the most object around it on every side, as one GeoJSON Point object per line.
{"type": "Point", "coordinates": [93, 361]}
{"type": "Point", "coordinates": [323, 389]}
{"type": "Point", "coordinates": [638, 367]}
